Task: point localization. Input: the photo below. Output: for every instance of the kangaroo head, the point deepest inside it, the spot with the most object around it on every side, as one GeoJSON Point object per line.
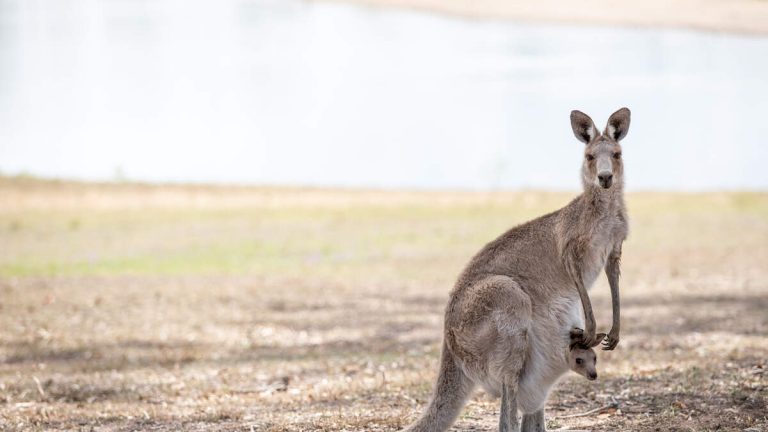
{"type": "Point", "coordinates": [602, 166]}
{"type": "Point", "coordinates": [582, 359]}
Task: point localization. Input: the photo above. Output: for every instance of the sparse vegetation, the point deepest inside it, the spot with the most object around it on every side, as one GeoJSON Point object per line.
{"type": "Point", "coordinates": [144, 307]}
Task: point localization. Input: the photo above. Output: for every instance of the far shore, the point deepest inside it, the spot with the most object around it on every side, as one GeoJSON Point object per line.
{"type": "Point", "coordinates": [731, 16]}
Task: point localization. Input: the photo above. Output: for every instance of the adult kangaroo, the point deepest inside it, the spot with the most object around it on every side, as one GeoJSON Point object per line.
{"type": "Point", "coordinates": [515, 307]}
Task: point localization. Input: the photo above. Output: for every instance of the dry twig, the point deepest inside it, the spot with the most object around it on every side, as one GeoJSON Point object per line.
{"type": "Point", "coordinates": [612, 405]}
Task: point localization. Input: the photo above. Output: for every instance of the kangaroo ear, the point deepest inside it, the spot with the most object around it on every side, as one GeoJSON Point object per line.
{"type": "Point", "coordinates": [583, 127]}
{"type": "Point", "coordinates": [618, 124]}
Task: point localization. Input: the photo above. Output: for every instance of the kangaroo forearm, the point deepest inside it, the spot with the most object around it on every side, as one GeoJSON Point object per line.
{"type": "Point", "coordinates": [574, 271]}
{"type": "Point", "coordinates": [586, 304]}
{"type": "Point", "coordinates": [613, 272]}
{"type": "Point", "coordinates": [616, 325]}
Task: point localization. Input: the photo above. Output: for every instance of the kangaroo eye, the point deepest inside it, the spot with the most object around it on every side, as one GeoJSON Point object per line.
{"type": "Point", "coordinates": [617, 155]}
{"type": "Point", "coordinates": [579, 361]}
{"type": "Point", "coordinates": [590, 157]}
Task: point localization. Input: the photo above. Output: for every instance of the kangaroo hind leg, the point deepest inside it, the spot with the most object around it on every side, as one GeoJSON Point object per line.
{"type": "Point", "coordinates": [534, 422]}
{"type": "Point", "coordinates": [508, 421]}
{"type": "Point", "coordinates": [512, 318]}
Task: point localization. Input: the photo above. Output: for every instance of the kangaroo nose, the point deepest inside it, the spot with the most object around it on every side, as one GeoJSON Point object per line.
{"type": "Point", "coordinates": [592, 375]}
{"type": "Point", "coordinates": [605, 179]}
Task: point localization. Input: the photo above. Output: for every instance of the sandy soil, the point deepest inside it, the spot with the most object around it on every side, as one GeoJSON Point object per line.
{"type": "Point", "coordinates": [321, 310]}
{"type": "Point", "coordinates": [739, 16]}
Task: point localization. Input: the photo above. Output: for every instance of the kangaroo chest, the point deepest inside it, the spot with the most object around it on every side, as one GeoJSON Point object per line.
{"type": "Point", "coordinates": [593, 262]}
{"type": "Point", "coordinates": [597, 246]}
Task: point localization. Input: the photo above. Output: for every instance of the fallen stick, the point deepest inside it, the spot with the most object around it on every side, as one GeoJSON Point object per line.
{"type": "Point", "coordinates": [590, 412]}
{"type": "Point", "coordinates": [39, 386]}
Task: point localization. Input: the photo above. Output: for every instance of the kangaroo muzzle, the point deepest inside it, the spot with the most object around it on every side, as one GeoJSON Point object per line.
{"type": "Point", "coordinates": [605, 179]}
{"type": "Point", "coordinates": [604, 171]}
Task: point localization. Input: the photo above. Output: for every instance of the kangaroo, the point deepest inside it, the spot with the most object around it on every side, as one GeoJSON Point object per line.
{"type": "Point", "coordinates": [514, 310]}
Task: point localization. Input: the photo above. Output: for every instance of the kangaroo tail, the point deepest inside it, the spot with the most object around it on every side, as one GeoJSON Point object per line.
{"type": "Point", "coordinates": [451, 392]}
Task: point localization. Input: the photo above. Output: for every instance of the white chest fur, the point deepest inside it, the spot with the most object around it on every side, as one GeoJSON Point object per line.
{"type": "Point", "coordinates": [610, 233]}
{"type": "Point", "coordinates": [595, 262]}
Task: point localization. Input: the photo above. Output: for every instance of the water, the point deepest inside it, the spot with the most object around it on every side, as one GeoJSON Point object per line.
{"type": "Point", "coordinates": [286, 92]}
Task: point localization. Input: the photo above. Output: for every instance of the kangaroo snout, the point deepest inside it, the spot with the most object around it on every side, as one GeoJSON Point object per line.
{"type": "Point", "coordinates": [605, 179]}
{"type": "Point", "coordinates": [592, 376]}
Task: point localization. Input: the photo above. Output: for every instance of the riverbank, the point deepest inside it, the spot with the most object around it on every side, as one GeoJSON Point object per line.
{"type": "Point", "coordinates": [734, 16]}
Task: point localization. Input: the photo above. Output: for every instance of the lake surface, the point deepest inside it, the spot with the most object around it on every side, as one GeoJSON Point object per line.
{"type": "Point", "coordinates": [290, 92]}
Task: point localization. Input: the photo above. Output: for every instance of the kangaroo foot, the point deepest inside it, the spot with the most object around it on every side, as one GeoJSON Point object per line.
{"type": "Point", "coordinates": [534, 422]}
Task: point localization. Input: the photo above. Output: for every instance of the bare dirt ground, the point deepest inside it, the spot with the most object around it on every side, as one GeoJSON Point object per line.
{"type": "Point", "coordinates": [736, 16]}
{"type": "Point", "coordinates": [163, 308]}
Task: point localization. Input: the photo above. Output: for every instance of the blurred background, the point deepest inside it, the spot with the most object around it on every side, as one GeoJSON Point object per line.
{"type": "Point", "coordinates": [332, 94]}
{"type": "Point", "coordinates": [248, 214]}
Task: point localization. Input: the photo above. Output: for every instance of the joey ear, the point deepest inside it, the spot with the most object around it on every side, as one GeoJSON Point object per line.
{"type": "Point", "coordinates": [618, 124]}
{"type": "Point", "coordinates": [576, 333]}
{"type": "Point", "coordinates": [583, 127]}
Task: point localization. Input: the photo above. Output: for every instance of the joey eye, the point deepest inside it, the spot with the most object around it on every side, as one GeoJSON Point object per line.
{"type": "Point", "coordinates": [590, 157]}
{"type": "Point", "coordinates": [579, 361]}
{"type": "Point", "coordinates": [617, 155]}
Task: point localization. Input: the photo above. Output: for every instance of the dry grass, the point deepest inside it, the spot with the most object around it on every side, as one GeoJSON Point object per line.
{"type": "Point", "coordinates": [139, 307]}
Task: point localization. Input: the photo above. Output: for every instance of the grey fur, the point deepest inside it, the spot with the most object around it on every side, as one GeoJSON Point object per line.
{"type": "Point", "coordinates": [509, 318]}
